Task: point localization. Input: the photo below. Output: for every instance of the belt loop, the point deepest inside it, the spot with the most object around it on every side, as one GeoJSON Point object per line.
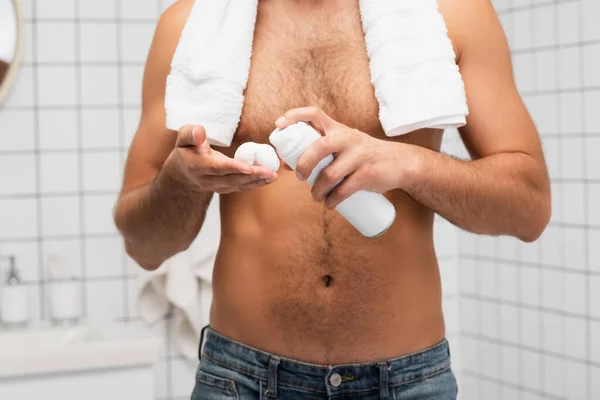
{"type": "Point", "coordinates": [201, 345]}
{"type": "Point", "coordinates": [383, 381]}
{"type": "Point", "coordinates": [272, 378]}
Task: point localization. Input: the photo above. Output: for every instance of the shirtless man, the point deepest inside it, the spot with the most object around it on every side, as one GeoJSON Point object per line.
{"type": "Point", "coordinates": [293, 280]}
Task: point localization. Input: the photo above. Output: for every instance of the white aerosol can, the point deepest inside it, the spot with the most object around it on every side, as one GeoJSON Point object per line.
{"type": "Point", "coordinates": [369, 212]}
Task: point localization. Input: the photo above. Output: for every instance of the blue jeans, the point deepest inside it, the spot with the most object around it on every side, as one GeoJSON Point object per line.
{"type": "Point", "coordinates": [232, 370]}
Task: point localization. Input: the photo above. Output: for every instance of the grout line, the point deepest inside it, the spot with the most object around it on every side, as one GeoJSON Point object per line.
{"type": "Point", "coordinates": [586, 211]}
{"type": "Point", "coordinates": [539, 315]}
{"type": "Point", "coordinates": [108, 21]}
{"type": "Point", "coordinates": [546, 92]}
{"type": "Point", "coordinates": [60, 237]}
{"type": "Point", "coordinates": [38, 168]}
{"type": "Point", "coordinates": [518, 322]}
{"type": "Point", "coordinates": [539, 309]}
{"type": "Point", "coordinates": [121, 96]}
{"type": "Point", "coordinates": [71, 107]}
{"type": "Point", "coordinates": [80, 166]}
{"type": "Point", "coordinates": [168, 362]}
{"type": "Point", "coordinates": [90, 150]}
{"type": "Point", "coordinates": [529, 7]}
{"type": "Point", "coordinates": [574, 225]}
{"type": "Point", "coordinates": [86, 63]}
{"type": "Point", "coordinates": [496, 288]}
{"type": "Point", "coordinates": [536, 350]}
{"type": "Point", "coordinates": [528, 264]}
{"type": "Point", "coordinates": [477, 240]}
{"type": "Point", "coordinates": [105, 278]}
{"type": "Point", "coordinates": [561, 233]}
{"type": "Point", "coordinates": [558, 46]}
{"type": "Point", "coordinates": [54, 195]}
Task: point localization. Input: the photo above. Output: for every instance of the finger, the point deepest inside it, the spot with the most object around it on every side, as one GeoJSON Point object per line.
{"type": "Point", "coordinates": [185, 136]}
{"type": "Point", "coordinates": [201, 139]}
{"type": "Point", "coordinates": [221, 166]}
{"type": "Point", "coordinates": [318, 150]}
{"type": "Point", "coordinates": [345, 189]}
{"type": "Point", "coordinates": [264, 172]}
{"type": "Point", "coordinates": [229, 181]}
{"type": "Point", "coordinates": [224, 166]}
{"type": "Point", "coordinates": [254, 185]}
{"type": "Point", "coordinates": [314, 115]}
{"type": "Point", "coordinates": [193, 137]}
{"type": "Point", "coordinates": [343, 166]}
{"type": "Point", "coordinates": [231, 186]}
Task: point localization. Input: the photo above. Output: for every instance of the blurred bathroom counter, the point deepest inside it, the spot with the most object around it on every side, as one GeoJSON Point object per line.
{"type": "Point", "coordinates": [74, 362]}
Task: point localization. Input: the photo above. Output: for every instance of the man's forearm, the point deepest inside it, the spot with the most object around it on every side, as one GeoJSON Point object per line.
{"type": "Point", "coordinates": [505, 193]}
{"type": "Point", "coordinates": [160, 219]}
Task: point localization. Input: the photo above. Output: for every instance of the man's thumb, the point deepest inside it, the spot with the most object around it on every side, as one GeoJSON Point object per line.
{"type": "Point", "coordinates": [199, 135]}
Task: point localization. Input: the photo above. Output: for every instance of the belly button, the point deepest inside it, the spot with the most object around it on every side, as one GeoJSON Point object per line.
{"type": "Point", "coordinates": [327, 280]}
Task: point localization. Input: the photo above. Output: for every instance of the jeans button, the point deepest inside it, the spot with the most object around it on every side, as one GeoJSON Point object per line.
{"type": "Point", "coordinates": [335, 380]}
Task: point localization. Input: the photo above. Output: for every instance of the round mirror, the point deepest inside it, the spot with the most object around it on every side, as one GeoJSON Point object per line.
{"type": "Point", "coordinates": [10, 44]}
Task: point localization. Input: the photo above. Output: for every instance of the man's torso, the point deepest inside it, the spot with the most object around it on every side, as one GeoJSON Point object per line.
{"type": "Point", "coordinates": [292, 278]}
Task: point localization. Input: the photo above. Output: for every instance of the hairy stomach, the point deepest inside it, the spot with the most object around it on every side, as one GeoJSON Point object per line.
{"type": "Point", "coordinates": [297, 280]}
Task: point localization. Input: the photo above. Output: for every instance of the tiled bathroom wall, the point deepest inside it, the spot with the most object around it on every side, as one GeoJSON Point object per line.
{"type": "Point", "coordinates": [64, 134]}
{"type": "Point", "coordinates": [530, 313]}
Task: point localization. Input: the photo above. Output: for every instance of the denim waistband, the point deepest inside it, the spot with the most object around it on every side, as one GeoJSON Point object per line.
{"type": "Point", "coordinates": [330, 379]}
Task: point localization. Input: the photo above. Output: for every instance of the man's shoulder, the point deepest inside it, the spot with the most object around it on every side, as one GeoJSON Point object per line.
{"type": "Point", "coordinates": [176, 15]}
{"type": "Point", "coordinates": [465, 18]}
{"type": "Point", "coordinates": [169, 28]}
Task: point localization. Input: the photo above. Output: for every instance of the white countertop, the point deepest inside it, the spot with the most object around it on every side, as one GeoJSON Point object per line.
{"type": "Point", "coordinates": [57, 350]}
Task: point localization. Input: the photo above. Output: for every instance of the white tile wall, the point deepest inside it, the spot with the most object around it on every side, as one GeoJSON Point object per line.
{"type": "Point", "coordinates": [105, 10]}
{"type": "Point", "coordinates": [59, 172]}
{"type": "Point", "coordinates": [56, 86]}
{"type": "Point", "coordinates": [54, 9]}
{"type": "Point", "coordinates": [62, 144]}
{"type": "Point", "coordinates": [17, 131]}
{"type": "Point", "coordinates": [17, 174]}
{"type": "Point", "coordinates": [548, 329]}
{"type": "Point", "coordinates": [57, 129]}
{"type": "Point", "coordinates": [98, 214]}
{"type": "Point", "coordinates": [22, 91]}
{"type": "Point", "coordinates": [60, 216]}
{"type": "Point", "coordinates": [19, 218]}
{"type": "Point", "coordinates": [98, 42]}
{"type": "Point", "coordinates": [65, 130]}
{"type": "Point", "coordinates": [100, 129]}
{"type": "Point", "coordinates": [99, 85]}
{"type": "Point", "coordinates": [56, 42]}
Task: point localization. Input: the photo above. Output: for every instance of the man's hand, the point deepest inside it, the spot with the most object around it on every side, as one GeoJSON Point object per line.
{"type": "Point", "coordinates": [208, 170]}
{"type": "Point", "coordinates": [366, 163]}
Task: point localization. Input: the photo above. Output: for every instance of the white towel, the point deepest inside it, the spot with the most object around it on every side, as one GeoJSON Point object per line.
{"type": "Point", "coordinates": [183, 284]}
{"type": "Point", "coordinates": [210, 68]}
{"type": "Point", "coordinates": [413, 70]}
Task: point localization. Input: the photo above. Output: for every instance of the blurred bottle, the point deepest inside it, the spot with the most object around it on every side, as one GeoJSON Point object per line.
{"type": "Point", "coordinates": [64, 292]}
{"type": "Point", "coordinates": [15, 300]}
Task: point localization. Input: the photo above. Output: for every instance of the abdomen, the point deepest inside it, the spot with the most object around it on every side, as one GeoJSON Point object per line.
{"type": "Point", "coordinates": [293, 279]}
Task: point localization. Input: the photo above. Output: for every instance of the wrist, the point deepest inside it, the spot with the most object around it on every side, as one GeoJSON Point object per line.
{"type": "Point", "coordinates": [411, 161]}
{"type": "Point", "coordinates": [173, 179]}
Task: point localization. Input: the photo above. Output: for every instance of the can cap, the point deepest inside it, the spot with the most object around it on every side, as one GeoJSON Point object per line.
{"type": "Point", "coordinates": [293, 140]}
